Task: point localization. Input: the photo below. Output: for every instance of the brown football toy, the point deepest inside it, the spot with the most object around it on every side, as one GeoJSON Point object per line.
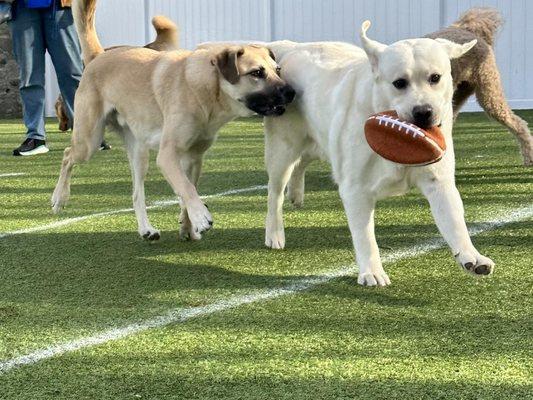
{"type": "Point", "coordinates": [403, 142]}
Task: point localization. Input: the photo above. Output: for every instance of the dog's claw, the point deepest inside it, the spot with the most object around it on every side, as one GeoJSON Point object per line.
{"type": "Point", "coordinates": [475, 263]}
{"type": "Point", "coordinates": [151, 235]}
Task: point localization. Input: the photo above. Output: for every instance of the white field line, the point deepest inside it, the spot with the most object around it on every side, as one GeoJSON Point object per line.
{"type": "Point", "coordinates": [157, 204]}
{"type": "Point", "coordinates": [183, 314]}
{"type": "Point", "coordinates": [6, 175]}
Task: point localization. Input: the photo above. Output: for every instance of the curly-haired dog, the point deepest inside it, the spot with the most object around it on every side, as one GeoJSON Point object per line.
{"type": "Point", "coordinates": [167, 39]}
{"type": "Point", "coordinates": [477, 73]}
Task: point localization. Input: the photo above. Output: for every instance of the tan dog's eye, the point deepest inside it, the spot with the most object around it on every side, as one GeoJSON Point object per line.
{"type": "Point", "coordinates": [278, 70]}
{"type": "Point", "coordinates": [258, 73]}
{"type": "Point", "coordinates": [434, 79]}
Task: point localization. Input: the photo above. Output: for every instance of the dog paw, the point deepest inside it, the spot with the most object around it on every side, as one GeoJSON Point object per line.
{"type": "Point", "coordinates": [150, 234]}
{"type": "Point", "coordinates": [475, 263]}
{"type": "Point", "coordinates": [58, 201]}
{"type": "Point", "coordinates": [375, 277]}
{"type": "Point", "coordinates": [200, 218]}
{"type": "Point", "coordinates": [296, 198]}
{"type": "Point", "coordinates": [187, 233]}
{"type": "Point", "coordinates": [275, 239]}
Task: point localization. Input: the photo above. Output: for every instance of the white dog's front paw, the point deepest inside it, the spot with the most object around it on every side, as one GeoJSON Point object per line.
{"type": "Point", "coordinates": [475, 263]}
{"type": "Point", "coordinates": [200, 218]}
{"type": "Point", "coordinates": [150, 234]}
{"type": "Point", "coordinates": [374, 277]}
{"type": "Point", "coordinates": [275, 239]}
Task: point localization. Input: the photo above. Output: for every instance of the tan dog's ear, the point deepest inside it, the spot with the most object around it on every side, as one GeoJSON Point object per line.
{"type": "Point", "coordinates": [226, 63]}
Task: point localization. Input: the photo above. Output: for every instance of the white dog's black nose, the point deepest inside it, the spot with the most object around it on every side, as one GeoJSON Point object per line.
{"type": "Point", "coordinates": [423, 115]}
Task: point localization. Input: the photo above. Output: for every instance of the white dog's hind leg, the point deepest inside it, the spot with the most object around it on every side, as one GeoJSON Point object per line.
{"type": "Point", "coordinates": [359, 210]}
{"type": "Point", "coordinates": [448, 212]}
{"type": "Point", "coordinates": [282, 150]}
{"type": "Point", "coordinates": [296, 186]}
{"type": "Point", "coordinates": [138, 156]}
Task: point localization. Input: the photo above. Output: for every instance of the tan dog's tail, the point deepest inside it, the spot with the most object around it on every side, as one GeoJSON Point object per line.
{"type": "Point", "coordinates": [167, 34]}
{"type": "Point", "coordinates": [481, 21]}
{"type": "Point", "coordinates": [84, 12]}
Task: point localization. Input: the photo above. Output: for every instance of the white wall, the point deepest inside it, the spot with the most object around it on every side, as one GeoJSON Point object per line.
{"type": "Point", "coordinates": [128, 22]}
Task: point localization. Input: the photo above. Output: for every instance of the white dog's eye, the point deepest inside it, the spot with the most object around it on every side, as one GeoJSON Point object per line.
{"type": "Point", "coordinates": [400, 83]}
{"type": "Point", "coordinates": [434, 79]}
{"type": "Point", "coordinates": [278, 70]}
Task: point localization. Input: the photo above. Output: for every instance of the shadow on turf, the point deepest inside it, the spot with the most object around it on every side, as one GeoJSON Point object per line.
{"type": "Point", "coordinates": [118, 267]}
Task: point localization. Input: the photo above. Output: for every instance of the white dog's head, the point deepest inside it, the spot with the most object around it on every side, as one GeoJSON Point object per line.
{"type": "Point", "coordinates": [414, 76]}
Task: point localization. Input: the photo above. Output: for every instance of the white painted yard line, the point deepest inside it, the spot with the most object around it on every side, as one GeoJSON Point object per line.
{"type": "Point", "coordinates": [157, 204]}
{"type": "Point", "coordinates": [184, 314]}
{"type": "Point", "coordinates": [6, 175]}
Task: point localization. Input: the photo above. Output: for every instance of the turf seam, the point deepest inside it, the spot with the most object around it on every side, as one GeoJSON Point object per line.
{"type": "Point", "coordinates": [174, 316]}
{"type": "Point", "coordinates": [10, 174]}
{"type": "Point", "coordinates": [158, 204]}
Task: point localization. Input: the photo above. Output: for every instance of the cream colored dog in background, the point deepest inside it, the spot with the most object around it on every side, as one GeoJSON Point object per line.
{"type": "Point", "coordinates": [338, 86]}
{"type": "Point", "coordinates": [174, 102]}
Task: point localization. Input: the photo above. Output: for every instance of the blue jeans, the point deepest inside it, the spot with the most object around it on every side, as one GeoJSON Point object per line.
{"type": "Point", "coordinates": [35, 31]}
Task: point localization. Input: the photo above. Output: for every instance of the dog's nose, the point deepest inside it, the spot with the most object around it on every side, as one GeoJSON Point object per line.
{"type": "Point", "coordinates": [423, 115]}
{"type": "Point", "coordinates": [288, 93]}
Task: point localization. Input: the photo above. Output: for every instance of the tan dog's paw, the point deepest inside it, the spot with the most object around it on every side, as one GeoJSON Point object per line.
{"type": "Point", "coordinates": [187, 232]}
{"type": "Point", "coordinates": [59, 199]}
{"type": "Point", "coordinates": [200, 218]}
{"type": "Point", "coordinates": [475, 263]}
{"type": "Point", "coordinates": [374, 277]}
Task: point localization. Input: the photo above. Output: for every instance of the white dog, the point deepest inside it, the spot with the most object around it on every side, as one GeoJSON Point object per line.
{"type": "Point", "coordinates": [338, 86]}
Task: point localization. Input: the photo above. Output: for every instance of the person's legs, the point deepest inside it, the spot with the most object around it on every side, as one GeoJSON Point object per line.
{"type": "Point", "coordinates": [29, 50]}
{"type": "Point", "coordinates": [64, 49]}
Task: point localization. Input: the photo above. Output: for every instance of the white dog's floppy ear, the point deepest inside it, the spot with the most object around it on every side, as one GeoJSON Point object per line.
{"type": "Point", "coordinates": [372, 48]}
{"type": "Point", "coordinates": [456, 50]}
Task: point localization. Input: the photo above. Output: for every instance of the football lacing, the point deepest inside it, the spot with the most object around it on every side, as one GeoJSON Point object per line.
{"type": "Point", "coordinates": [395, 121]}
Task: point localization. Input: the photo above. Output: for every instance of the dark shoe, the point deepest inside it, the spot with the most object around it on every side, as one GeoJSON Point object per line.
{"type": "Point", "coordinates": [105, 146]}
{"type": "Point", "coordinates": [31, 147]}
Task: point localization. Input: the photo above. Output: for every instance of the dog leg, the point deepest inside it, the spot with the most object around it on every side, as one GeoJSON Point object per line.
{"type": "Point", "coordinates": [360, 213]}
{"type": "Point", "coordinates": [460, 96]}
{"type": "Point", "coordinates": [296, 186]}
{"type": "Point", "coordinates": [169, 161]}
{"type": "Point", "coordinates": [448, 213]}
{"type": "Point", "coordinates": [139, 156]}
{"type": "Point", "coordinates": [86, 138]}
{"type": "Point", "coordinates": [282, 150]}
{"type": "Point", "coordinates": [192, 164]}
{"type": "Point", "coordinates": [490, 95]}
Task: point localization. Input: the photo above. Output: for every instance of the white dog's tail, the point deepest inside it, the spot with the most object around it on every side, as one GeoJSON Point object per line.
{"type": "Point", "coordinates": [84, 12]}
{"type": "Point", "coordinates": [481, 21]}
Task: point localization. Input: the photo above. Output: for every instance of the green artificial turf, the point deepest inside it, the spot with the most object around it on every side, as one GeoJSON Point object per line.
{"type": "Point", "coordinates": [436, 333]}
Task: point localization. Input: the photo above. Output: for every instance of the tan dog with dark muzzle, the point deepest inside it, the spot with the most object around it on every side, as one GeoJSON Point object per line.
{"type": "Point", "coordinates": [174, 102]}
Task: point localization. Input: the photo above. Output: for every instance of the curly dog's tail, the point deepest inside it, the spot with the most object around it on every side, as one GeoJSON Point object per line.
{"type": "Point", "coordinates": [482, 21]}
{"type": "Point", "coordinates": [83, 12]}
